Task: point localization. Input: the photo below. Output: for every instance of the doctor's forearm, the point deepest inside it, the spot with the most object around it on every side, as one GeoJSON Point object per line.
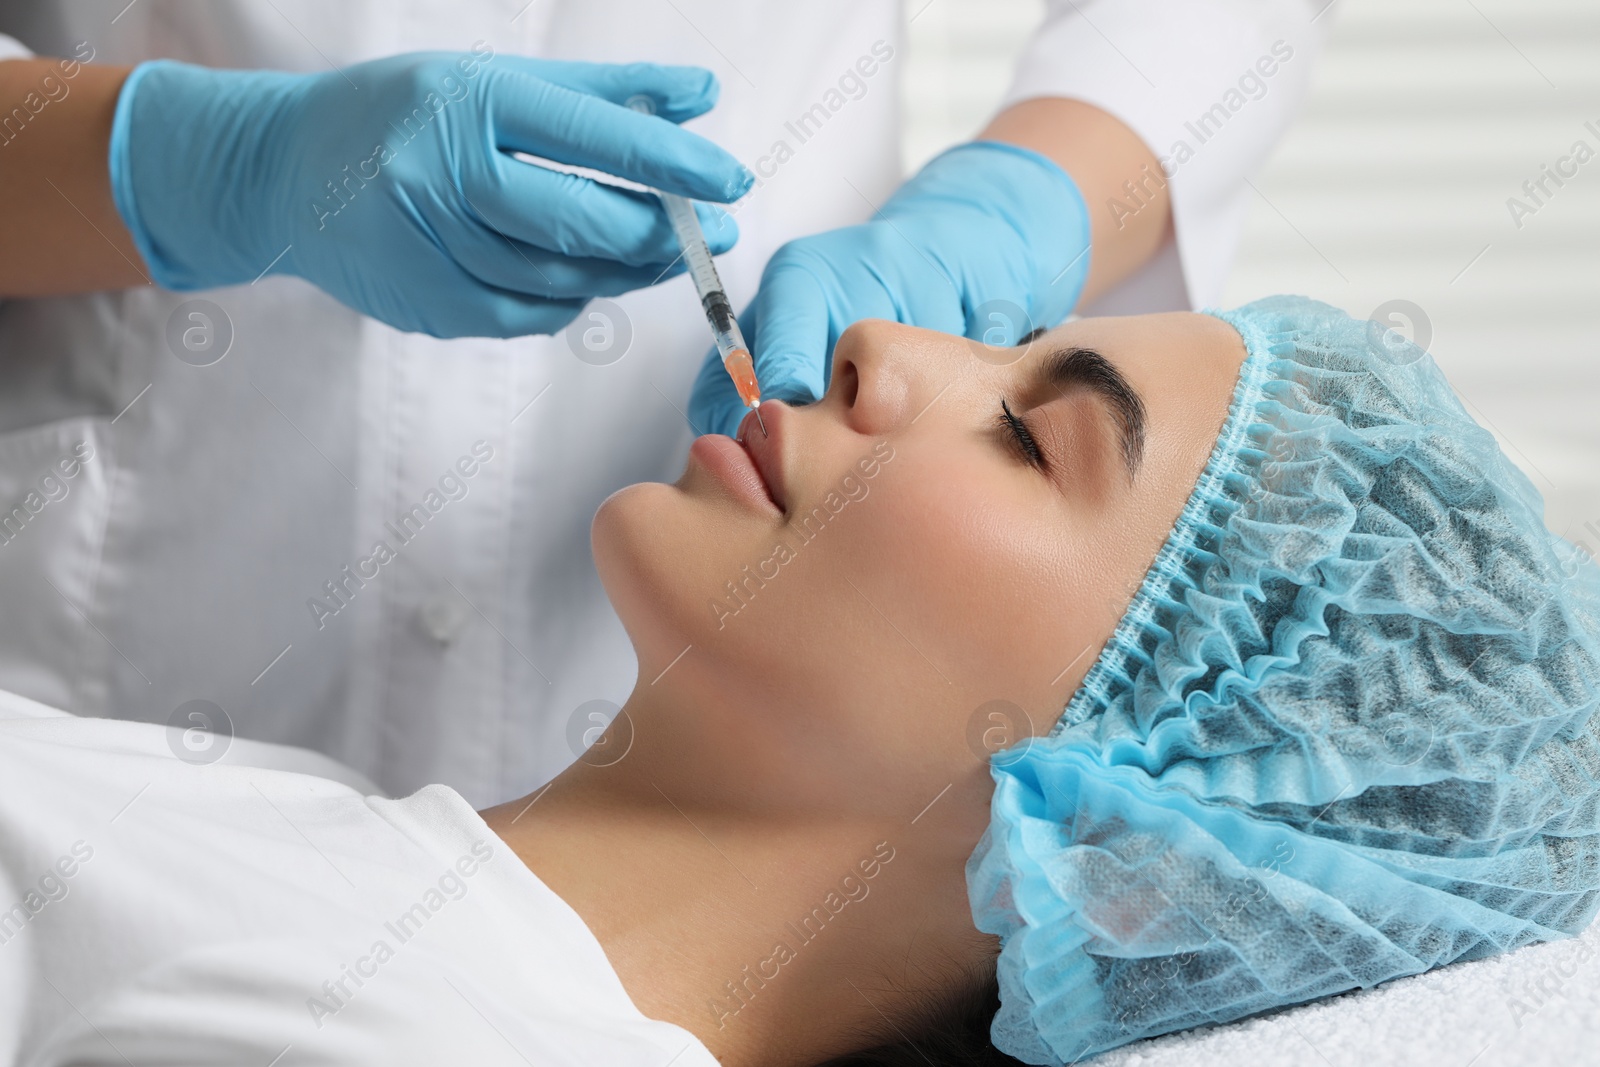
{"type": "Point", "coordinates": [1100, 153]}
{"type": "Point", "coordinates": [59, 228]}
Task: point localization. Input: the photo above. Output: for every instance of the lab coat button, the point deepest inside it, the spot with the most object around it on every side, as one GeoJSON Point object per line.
{"type": "Point", "coordinates": [443, 619]}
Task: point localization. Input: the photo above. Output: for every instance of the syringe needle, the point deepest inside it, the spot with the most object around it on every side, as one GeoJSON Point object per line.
{"type": "Point", "coordinates": [736, 361]}
{"type": "Point", "coordinates": [713, 299]}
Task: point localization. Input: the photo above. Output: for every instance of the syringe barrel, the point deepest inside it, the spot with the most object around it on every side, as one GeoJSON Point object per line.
{"type": "Point", "coordinates": [696, 256]}
{"type": "Point", "coordinates": [686, 224]}
{"type": "Point", "coordinates": [730, 341]}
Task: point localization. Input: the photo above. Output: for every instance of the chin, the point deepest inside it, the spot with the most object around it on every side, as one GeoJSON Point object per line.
{"type": "Point", "coordinates": [650, 545]}
{"type": "Point", "coordinates": [665, 554]}
{"type": "Point", "coordinates": [627, 554]}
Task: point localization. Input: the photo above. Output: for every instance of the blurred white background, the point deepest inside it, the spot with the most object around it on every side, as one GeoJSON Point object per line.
{"type": "Point", "coordinates": [1423, 118]}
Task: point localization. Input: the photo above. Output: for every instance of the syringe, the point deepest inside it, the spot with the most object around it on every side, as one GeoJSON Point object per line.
{"type": "Point", "coordinates": [730, 342]}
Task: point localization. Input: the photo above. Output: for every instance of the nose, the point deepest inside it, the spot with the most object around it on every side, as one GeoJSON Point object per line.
{"type": "Point", "coordinates": [886, 374]}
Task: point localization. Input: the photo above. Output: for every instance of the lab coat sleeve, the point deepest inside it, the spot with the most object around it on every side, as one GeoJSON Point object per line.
{"type": "Point", "coordinates": [1209, 85]}
{"type": "Point", "coordinates": [11, 48]}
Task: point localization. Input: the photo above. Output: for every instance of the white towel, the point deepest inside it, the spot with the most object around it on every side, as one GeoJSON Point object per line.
{"type": "Point", "coordinates": [1536, 1006]}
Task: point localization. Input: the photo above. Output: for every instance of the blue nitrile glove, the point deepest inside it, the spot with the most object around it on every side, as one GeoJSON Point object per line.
{"type": "Point", "coordinates": [989, 241]}
{"type": "Point", "coordinates": [391, 184]}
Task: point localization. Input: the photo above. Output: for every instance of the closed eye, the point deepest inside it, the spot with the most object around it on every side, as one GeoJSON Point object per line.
{"type": "Point", "coordinates": [1021, 437]}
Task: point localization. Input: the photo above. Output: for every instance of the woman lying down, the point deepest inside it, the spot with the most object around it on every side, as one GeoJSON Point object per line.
{"type": "Point", "coordinates": [1328, 687]}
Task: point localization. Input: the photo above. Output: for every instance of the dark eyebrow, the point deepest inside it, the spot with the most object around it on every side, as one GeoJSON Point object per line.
{"type": "Point", "coordinates": [1066, 368]}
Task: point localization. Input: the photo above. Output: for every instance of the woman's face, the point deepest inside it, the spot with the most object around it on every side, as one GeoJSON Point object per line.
{"type": "Point", "coordinates": [923, 565]}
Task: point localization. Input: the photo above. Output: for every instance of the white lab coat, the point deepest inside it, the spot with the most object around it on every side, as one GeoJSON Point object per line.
{"type": "Point", "coordinates": [184, 557]}
{"type": "Point", "coordinates": [262, 909]}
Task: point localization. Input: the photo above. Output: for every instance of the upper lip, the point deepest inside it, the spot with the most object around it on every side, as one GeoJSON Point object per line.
{"type": "Point", "coordinates": [766, 452]}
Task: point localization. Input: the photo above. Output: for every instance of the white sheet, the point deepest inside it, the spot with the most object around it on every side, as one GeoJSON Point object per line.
{"type": "Point", "coordinates": [1539, 1005]}
{"type": "Point", "coordinates": [244, 912]}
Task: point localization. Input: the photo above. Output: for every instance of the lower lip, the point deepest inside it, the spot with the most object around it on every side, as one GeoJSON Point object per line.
{"type": "Point", "coordinates": [730, 464]}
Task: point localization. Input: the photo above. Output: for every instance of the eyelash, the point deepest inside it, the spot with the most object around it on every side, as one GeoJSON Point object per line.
{"type": "Point", "coordinates": [1021, 436]}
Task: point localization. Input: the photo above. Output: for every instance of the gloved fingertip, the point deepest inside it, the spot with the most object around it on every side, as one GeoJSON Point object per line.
{"type": "Point", "coordinates": [682, 92]}
{"type": "Point", "coordinates": [713, 418]}
{"type": "Point", "coordinates": [690, 85]}
{"type": "Point", "coordinates": [710, 88]}
{"type": "Point", "coordinates": [701, 170]}
{"type": "Point", "coordinates": [789, 392]}
{"type": "Point", "coordinates": [720, 230]}
{"type": "Point", "coordinates": [740, 183]}
{"type": "Point", "coordinates": [670, 271]}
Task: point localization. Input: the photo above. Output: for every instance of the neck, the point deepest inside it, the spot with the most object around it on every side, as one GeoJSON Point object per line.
{"type": "Point", "coordinates": [776, 932]}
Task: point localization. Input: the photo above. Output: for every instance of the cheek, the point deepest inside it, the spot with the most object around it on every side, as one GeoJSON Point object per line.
{"type": "Point", "coordinates": [976, 563]}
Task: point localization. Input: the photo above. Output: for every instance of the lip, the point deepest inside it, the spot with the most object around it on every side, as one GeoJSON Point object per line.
{"type": "Point", "coordinates": [766, 449]}
{"type": "Point", "coordinates": [749, 468]}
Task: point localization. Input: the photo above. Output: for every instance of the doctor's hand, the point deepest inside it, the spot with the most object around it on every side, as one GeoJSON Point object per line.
{"type": "Point", "coordinates": [392, 185]}
{"type": "Point", "coordinates": [989, 240]}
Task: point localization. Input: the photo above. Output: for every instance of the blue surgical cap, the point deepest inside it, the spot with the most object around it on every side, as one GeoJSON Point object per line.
{"type": "Point", "coordinates": [1343, 733]}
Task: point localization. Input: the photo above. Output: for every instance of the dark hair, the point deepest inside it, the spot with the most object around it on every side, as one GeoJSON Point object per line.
{"type": "Point", "coordinates": [949, 1031]}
